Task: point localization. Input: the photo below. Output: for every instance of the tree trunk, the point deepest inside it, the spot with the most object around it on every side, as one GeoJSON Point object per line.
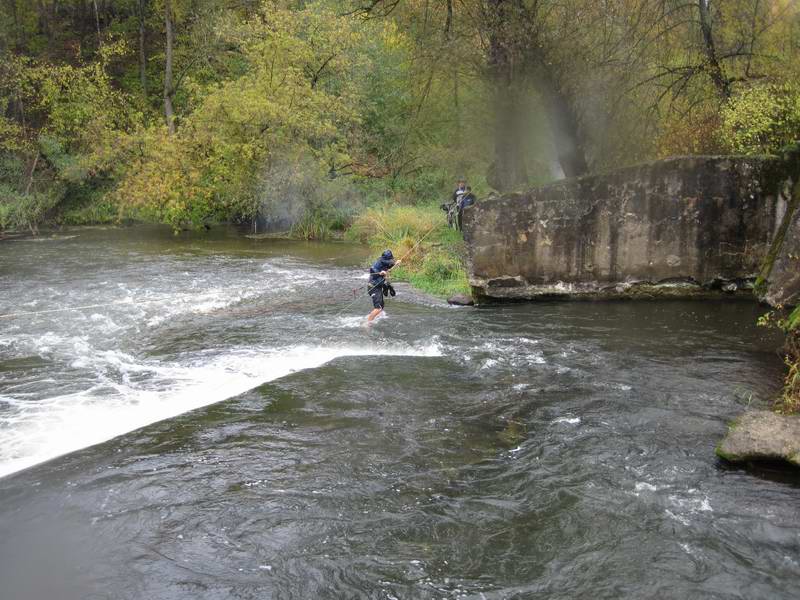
{"type": "Point", "coordinates": [15, 19]}
{"type": "Point", "coordinates": [97, 23]}
{"type": "Point", "coordinates": [33, 171]}
{"type": "Point", "coordinates": [508, 171]}
{"type": "Point", "coordinates": [713, 65]}
{"type": "Point", "coordinates": [142, 50]}
{"type": "Point", "coordinates": [169, 112]}
{"type": "Point", "coordinates": [448, 24]}
{"type": "Point", "coordinates": [456, 108]}
{"type": "Point", "coordinates": [44, 21]}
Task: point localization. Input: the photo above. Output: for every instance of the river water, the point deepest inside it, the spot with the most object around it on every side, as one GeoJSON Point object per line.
{"type": "Point", "coordinates": [220, 424]}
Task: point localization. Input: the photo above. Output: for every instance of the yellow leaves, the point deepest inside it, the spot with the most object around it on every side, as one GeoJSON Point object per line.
{"type": "Point", "coordinates": [11, 136]}
{"type": "Point", "coordinates": [692, 133]}
{"type": "Point", "coordinates": [393, 37]}
{"type": "Point", "coordinates": [298, 92]}
{"type": "Point", "coordinates": [761, 119]}
{"type": "Point", "coordinates": [164, 182]}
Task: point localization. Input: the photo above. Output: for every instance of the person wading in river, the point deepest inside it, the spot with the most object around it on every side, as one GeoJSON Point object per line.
{"type": "Point", "coordinates": [378, 287]}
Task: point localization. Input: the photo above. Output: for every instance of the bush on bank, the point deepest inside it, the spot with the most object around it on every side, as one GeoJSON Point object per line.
{"type": "Point", "coordinates": [434, 253]}
{"type": "Point", "coordinates": [789, 402]}
{"type": "Point", "coordinates": [789, 324]}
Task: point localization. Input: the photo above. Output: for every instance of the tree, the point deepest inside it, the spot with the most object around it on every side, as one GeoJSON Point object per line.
{"type": "Point", "coordinates": [169, 84]}
{"type": "Point", "coordinates": [142, 48]}
{"type": "Point", "coordinates": [508, 171]}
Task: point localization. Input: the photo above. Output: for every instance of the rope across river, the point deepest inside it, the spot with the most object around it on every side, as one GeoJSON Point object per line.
{"type": "Point", "coordinates": [151, 300]}
{"type": "Point", "coordinates": [401, 259]}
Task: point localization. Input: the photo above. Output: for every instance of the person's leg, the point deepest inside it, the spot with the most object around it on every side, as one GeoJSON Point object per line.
{"type": "Point", "coordinates": [377, 303]}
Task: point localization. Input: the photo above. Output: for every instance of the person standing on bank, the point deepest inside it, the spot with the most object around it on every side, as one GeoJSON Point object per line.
{"type": "Point", "coordinates": [467, 199]}
{"type": "Point", "coordinates": [378, 286]}
{"type": "Point", "coordinates": [452, 207]}
{"type": "Point", "coordinates": [461, 188]}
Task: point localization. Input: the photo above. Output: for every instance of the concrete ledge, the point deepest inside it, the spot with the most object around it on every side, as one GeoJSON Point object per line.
{"type": "Point", "coordinates": [690, 226]}
{"type": "Point", "coordinates": [488, 291]}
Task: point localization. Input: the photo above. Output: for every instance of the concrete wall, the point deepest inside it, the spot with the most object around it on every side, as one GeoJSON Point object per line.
{"type": "Point", "coordinates": [682, 226]}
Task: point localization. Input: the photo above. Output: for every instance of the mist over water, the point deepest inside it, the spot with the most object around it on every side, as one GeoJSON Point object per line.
{"type": "Point", "coordinates": [226, 427]}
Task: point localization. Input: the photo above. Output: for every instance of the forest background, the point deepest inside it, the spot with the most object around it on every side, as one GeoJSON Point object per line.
{"type": "Point", "coordinates": [328, 117]}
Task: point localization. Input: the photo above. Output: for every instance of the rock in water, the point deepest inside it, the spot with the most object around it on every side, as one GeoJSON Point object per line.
{"type": "Point", "coordinates": [461, 300]}
{"type": "Point", "coordinates": [762, 435]}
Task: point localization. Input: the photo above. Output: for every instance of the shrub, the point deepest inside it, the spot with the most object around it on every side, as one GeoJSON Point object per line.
{"type": "Point", "coordinates": [694, 132]}
{"type": "Point", "coordinates": [761, 119]}
{"type": "Point", "coordinates": [789, 401]}
{"type": "Point", "coordinates": [432, 252]}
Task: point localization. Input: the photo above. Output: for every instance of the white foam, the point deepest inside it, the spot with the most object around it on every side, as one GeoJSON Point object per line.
{"type": "Point", "coordinates": [568, 420]}
{"type": "Point", "coordinates": [680, 519]}
{"type": "Point", "coordinates": [642, 486]}
{"type": "Point", "coordinates": [39, 430]}
{"type": "Point", "coordinates": [693, 503]}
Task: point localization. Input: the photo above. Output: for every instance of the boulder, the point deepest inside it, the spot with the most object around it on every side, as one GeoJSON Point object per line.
{"type": "Point", "coordinates": [762, 435]}
{"type": "Point", "coordinates": [461, 300]}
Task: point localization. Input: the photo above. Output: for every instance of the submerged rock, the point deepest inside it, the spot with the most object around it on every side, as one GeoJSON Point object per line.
{"type": "Point", "coordinates": [762, 435]}
{"type": "Point", "coordinates": [461, 300]}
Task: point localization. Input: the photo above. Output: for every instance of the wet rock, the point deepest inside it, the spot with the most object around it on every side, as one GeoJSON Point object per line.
{"type": "Point", "coordinates": [762, 435]}
{"type": "Point", "coordinates": [461, 300]}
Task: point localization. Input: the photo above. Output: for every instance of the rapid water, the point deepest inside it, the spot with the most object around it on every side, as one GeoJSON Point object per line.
{"type": "Point", "coordinates": [226, 427]}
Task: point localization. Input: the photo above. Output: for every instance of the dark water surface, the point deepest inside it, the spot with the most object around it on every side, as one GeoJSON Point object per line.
{"type": "Point", "coordinates": [519, 451]}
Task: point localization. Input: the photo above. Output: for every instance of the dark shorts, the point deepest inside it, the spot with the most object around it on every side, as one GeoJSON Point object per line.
{"type": "Point", "coordinates": [377, 297]}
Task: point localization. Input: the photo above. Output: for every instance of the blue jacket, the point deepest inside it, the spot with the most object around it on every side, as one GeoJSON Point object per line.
{"type": "Point", "coordinates": [384, 263]}
{"type": "Point", "coordinates": [467, 199]}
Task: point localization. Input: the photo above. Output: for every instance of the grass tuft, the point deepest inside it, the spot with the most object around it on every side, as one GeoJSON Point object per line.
{"type": "Point", "coordinates": [434, 265]}
{"type": "Point", "coordinates": [789, 401]}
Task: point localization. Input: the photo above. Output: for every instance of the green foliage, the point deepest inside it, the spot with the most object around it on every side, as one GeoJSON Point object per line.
{"type": "Point", "coordinates": [78, 118]}
{"type": "Point", "coordinates": [432, 254]}
{"type": "Point", "coordinates": [442, 273]}
{"type": "Point", "coordinates": [293, 102]}
{"type": "Point", "coordinates": [790, 400]}
{"type": "Point", "coordinates": [793, 321]}
{"type": "Point", "coordinates": [94, 213]}
{"type": "Point", "coordinates": [761, 119]}
{"type": "Point", "coordinates": [789, 324]}
{"type": "Point", "coordinates": [397, 225]}
{"type": "Point", "coordinates": [20, 211]}
{"type": "Point", "coordinates": [395, 106]}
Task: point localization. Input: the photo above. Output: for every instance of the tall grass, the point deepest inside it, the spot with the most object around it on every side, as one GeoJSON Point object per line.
{"type": "Point", "coordinates": [789, 402]}
{"type": "Point", "coordinates": [432, 254]}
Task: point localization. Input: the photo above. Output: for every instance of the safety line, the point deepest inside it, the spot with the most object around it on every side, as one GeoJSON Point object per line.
{"type": "Point", "coordinates": [369, 291]}
{"type": "Point", "coordinates": [139, 302]}
{"type": "Point", "coordinates": [57, 310]}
